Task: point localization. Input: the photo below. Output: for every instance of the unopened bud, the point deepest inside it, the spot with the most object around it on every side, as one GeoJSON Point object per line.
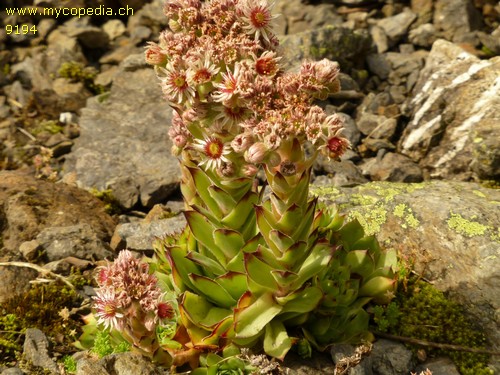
{"type": "Point", "coordinates": [256, 153]}
{"type": "Point", "coordinates": [288, 168]}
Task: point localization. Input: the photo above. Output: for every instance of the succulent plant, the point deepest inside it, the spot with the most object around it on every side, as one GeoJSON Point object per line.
{"type": "Point", "coordinates": [255, 266]}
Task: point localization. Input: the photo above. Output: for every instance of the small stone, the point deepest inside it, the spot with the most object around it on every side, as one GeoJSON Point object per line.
{"type": "Point", "coordinates": [391, 358]}
{"type": "Point", "coordinates": [397, 26]}
{"type": "Point", "coordinates": [36, 350]}
{"type": "Point", "coordinates": [114, 28]}
{"type": "Point", "coordinates": [30, 249]}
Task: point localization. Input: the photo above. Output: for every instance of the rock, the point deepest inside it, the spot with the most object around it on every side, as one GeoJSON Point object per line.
{"type": "Point", "coordinates": [150, 15]}
{"type": "Point", "coordinates": [74, 240]}
{"type": "Point", "coordinates": [456, 97]}
{"type": "Point", "coordinates": [395, 168]}
{"type": "Point", "coordinates": [141, 235]}
{"type": "Point", "coordinates": [396, 27]}
{"type": "Point", "coordinates": [335, 43]}
{"type": "Point", "coordinates": [423, 35]}
{"type": "Point", "coordinates": [377, 126]}
{"type": "Point", "coordinates": [318, 364]}
{"type": "Point", "coordinates": [28, 206]}
{"type": "Point", "coordinates": [423, 9]}
{"type": "Point", "coordinates": [114, 28]}
{"type": "Point", "coordinates": [391, 358]}
{"type": "Point", "coordinates": [344, 172]}
{"type": "Point", "coordinates": [380, 38]}
{"type": "Point", "coordinates": [15, 280]}
{"type": "Point", "coordinates": [88, 35]}
{"type": "Point", "coordinates": [341, 351]}
{"type": "Point", "coordinates": [449, 228]}
{"type": "Point", "coordinates": [36, 350]}
{"type": "Point", "coordinates": [379, 65]}
{"type": "Point", "coordinates": [438, 366]}
{"type": "Point", "coordinates": [118, 364]}
{"type": "Point", "coordinates": [456, 19]}
{"type": "Point", "coordinates": [296, 17]}
{"type": "Point", "coordinates": [12, 371]}
{"type": "Point", "coordinates": [124, 145]}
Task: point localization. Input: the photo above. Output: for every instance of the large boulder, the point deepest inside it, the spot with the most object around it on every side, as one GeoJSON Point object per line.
{"type": "Point", "coordinates": [454, 114]}
{"type": "Point", "coordinates": [124, 145]}
{"type": "Point", "coordinates": [45, 221]}
{"type": "Point", "coordinates": [450, 229]}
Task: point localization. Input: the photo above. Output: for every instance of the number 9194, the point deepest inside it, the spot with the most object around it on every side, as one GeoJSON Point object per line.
{"type": "Point", "coordinates": [20, 29]}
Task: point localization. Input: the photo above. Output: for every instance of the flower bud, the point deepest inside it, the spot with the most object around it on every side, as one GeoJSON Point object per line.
{"type": "Point", "coordinates": [242, 142]}
{"type": "Point", "coordinates": [249, 170]}
{"type": "Point", "coordinates": [256, 153]}
{"type": "Point", "coordinates": [154, 55]}
{"type": "Point", "coordinates": [273, 159]}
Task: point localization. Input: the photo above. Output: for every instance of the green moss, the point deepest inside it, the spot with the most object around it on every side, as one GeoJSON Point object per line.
{"type": "Point", "coordinates": [425, 313]}
{"type": "Point", "coordinates": [45, 306]}
{"type": "Point", "coordinates": [112, 205]}
{"type": "Point", "coordinates": [466, 227]}
{"type": "Point", "coordinates": [69, 364]}
{"type": "Point", "coordinates": [48, 126]}
{"type": "Point", "coordinates": [77, 72]}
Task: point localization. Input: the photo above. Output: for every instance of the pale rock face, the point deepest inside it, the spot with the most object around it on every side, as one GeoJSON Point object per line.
{"type": "Point", "coordinates": [456, 95]}
{"type": "Point", "coordinates": [449, 228]}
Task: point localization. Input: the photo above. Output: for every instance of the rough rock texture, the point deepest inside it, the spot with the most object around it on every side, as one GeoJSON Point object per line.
{"type": "Point", "coordinates": [335, 43]}
{"type": "Point", "coordinates": [452, 130]}
{"type": "Point", "coordinates": [450, 228]}
{"type": "Point", "coordinates": [124, 144]}
{"type": "Point", "coordinates": [42, 219]}
{"type": "Point", "coordinates": [28, 206]}
{"type": "Point", "coordinates": [118, 364]}
{"type": "Point", "coordinates": [36, 350]}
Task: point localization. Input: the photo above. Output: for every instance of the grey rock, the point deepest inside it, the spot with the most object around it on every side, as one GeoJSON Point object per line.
{"type": "Point", "coordinates": [456, 19]}
{"type": "Point", "coordinates": [453, 226]}
{"type": "Point", "coordinates": [141, 235]}
{"type": "Point", "coordinates": [343, 172]}
{"type": "Point", "coordinates": [455, 94]}
{"type": "Point", "coordinates": [423, 35]}
{"type": "Point", "coordinates": [438, 366]}
{"type": "Point", "coordinates": [78, 240]}
{"type": "Point", "coordinates": [397, 26]}
{"type": "Point", "coordinates": [335, 43]}
{"type": "Point", "coordinates": [379, 65]}
{"type": "Point", "coordinates": [296, 17]}
{"type": "Point", "coordinates": [424, 10]}
{"type": "Point", "coordinates": [394, 167]}
{"type": "Point", "coordinates": [88, 35]}
{"type": "Point", "coordinates": [30, 249]}
{"type": "Point", "coordinates": [124, 145]}
{"type": "Point", "coordinates": [140, 34]}
{"type": "Point", "coordinates": [118, 364]}
{"type": "Point", "coordinates": [380, 38]}
{"type": "Point", "coordinates": [28, 206]}
{"type": "Point", "coordinates": [15, 280]}
{"type": "Point", "coordinates": [486, 163]}
{"type": "Point", "coordinates": [150, 15]}
{"type": "Point", "coordinates": [36, 350]}
{"type": "Point", "coordinates": [391, 358]}
{"type": "Point", "coordinates": [12, 371]}
{"type": "Point", "coordinates": [341, 351]}
{"type": "Point", "coordinates": [375, 126]}
{"type": "Point", "coordinates": [404, 64]}
{"type": "Point", "coordinates": [114, 28]}
{"type": "Point", "coordinates": [374, 145]}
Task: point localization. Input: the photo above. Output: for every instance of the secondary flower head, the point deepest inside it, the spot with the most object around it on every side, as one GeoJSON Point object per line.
{"type": "Point", "coordinates": [127, 291]}
{"type": "Point", "coordinates": [108, 309]}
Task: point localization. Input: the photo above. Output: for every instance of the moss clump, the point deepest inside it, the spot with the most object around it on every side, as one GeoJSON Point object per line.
{"type": "Point", "coordinates": [112, 205]}
{"type": "Point", "coordinates": [423, 312]}
{"type": "Point", "coordinates": [49, 126]}
{"type": "Point", "coordinates": [77, 72]}
{"type": "Point", "coordinates": [44, 306]}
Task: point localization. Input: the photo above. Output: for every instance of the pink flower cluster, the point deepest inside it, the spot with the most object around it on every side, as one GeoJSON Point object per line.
{"type": "Point", "coordinates": [128, 293]}
{"type": "Point", "coordinates": [235, 106]}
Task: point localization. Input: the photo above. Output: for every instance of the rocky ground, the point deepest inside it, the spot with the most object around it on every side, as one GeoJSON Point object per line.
{"type": "Point", "coordinates": [421, 100]}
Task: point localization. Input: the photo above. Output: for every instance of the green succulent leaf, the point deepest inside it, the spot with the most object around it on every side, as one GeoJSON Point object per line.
{"type": "Point", "coordinates": [260, 272]}
{"type": "Point", "coordinates": [360, 262]}
{"type": "Point", "coordinates": [276, 340]}
{"type": "Point", "coordinates": [213, 291]}
{"type": "Point", "coordinates": [229, 241]}
{"type": "Point", "coordinates": [378, 287]}
{"type": "Point", "coordinates": [234, 282]}
{"type": "Point", "coordinates": [203, 231]}
{"type": "Point", "coordinates": [242, 212]}
{"type": "Point", "coordinates": [209, 265]}
{"type": "Point", "coordinates": [301, 301]}
{"type": "Point", "coordinates": [253, 314]}
{"type": "Point", "coordinates": [201, 312]}
{"type": "Point", "coordinates": [224, 200]}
